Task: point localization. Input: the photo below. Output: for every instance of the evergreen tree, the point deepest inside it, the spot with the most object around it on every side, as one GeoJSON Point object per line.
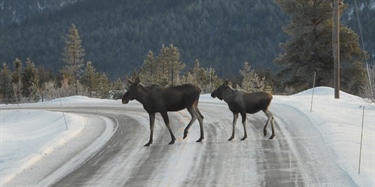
{"type": "Point", "coordinates": [45, 75]}
{"type": "Point", "coordinates": [149, 69]}
{"type": "Point", "coordinates": [30, 81]}
{"type": "Point", "coordinates": [211, 80]}
{"type": "Point", "coordinates": [310, 48]}
{"type": "Point", "coordinates": [17, 78]}
{"type": "Point", "coordinates": [65, 78]}
{"type": "Point", "coordinates": [164, 69]}
{"type": "Point", "coordinates": [198, 73]}
{"type": "Point", "coordinates": [103, 86]}
{"type": "Point", "coordinates": [46, 81]}
{"type": "Point", "coordinates": [7, 92]}
{"type": "Point", "coordinates": [73, 54]}
{"type": "Point", "coordinates": [118, 88]}
{"type": "Point", "coordinates": [171, 66]}
{"type": "Point", "coordinates": [251, 82]}
{"type": "Point", "coordinates": [205, 78]}
{"type": "Point", "coordinates": [90, 78]}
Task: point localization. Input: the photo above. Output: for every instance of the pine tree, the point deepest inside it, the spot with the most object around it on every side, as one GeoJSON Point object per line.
{"type": "Point", "coordinates": [211, 81]}
{"type": "Point", "coordinates": [118, 88]}
{"type": "Point", "coordinates": [30, 81]}
{"type": "Point", "coordinates": [205, 78]}
{"type": "Point", "coordinates": [73, 55]}
{"type": "Point", "coordinates": [171, 66]}
{"type": "Point", "coordinates": [251, 82]}
{"type": "Point", "coordinates": [90, 78]}
{"type": "Point", "coordinates": [103, 86]}
{"type": "Point", "coordinates": [47, 80]}
{"type": "Point", "coordinates": [148, 72]}
{"type": "Point", "coordinates": [310, 48]}
{"type": "Point", "coordinates": [164, 69]}
{"type": "Point", "coordinates": [7, 92]}
{"type": "Point", "coordinates": [65, 78]}
{"type": "Point", "coordinates": [198, 74]}
{"type": "Point", "coordinates": [17, 78]}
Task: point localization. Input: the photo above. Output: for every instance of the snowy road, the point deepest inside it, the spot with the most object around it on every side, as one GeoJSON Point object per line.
{"type": "Point", "coordinates": [257, 161]}
{"type": "Point", "coordinates": [124, 161]}
{"type": "Point", "coordinates": [301, 154]}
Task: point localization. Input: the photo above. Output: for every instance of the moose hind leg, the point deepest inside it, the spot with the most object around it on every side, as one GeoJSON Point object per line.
{"type": "Point", "coordinates": [152, 122]}
{"type": "Point", "coordinates": [193, 118]}
{"type": "Point", "coordinates": [269, 119]}
{"type": "Point", "coordinates": [273, 127]}
{"type": "Point", "coordinates": [166, 121]}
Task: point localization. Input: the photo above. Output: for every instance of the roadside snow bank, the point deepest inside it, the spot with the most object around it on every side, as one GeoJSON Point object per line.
{"type": "Point", "coordinates": [340, 123]}
{"type": "Point", "coordinates": [29, 135]}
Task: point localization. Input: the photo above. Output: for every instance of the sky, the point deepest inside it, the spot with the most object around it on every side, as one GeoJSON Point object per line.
{"type": "Point", "coordinates": [30, 137]}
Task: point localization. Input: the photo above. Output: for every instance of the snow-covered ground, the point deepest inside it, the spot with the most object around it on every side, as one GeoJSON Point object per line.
{"type": "Point", "coordinates": [32, 138]}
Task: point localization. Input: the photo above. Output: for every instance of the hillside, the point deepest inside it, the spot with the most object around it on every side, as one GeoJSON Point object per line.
{"type": "Point", "coordinates": [16, 11]}
{"type": "Point", "coordinates": [117, 35]}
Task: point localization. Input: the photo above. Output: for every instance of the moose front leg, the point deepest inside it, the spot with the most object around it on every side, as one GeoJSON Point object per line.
{"type": "Point", "coordinates": [235, 116]}
{"type": "Point", "coordinates": [200, 119]}
{"type": "Point", "coordinates": [243, 115]}
{"type": "Point", "coordinates": [152, 122]}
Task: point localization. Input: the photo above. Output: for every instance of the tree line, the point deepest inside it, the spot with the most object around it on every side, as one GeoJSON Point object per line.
{"type": "Point", "coordinates": [28, 83]}
{"type": "Point", "coordinates": [308, 50]}
{"type": "Point", "coordinates": [220, 33]}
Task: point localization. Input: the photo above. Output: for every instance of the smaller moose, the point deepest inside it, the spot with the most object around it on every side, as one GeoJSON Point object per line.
{"type": "Point", "coordinates": [156, 98]}
{"type": "Point", "coordinates": [244, 102]}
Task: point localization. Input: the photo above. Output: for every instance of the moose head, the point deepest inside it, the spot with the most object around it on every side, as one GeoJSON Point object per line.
{"type": "Point", "coordinates": [132, 92]}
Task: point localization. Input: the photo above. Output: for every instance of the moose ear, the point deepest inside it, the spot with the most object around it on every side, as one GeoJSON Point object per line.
{"type": "Point", "coordinates": [137, 81]}
{"type": "Point", "coordinates": [226, 82]}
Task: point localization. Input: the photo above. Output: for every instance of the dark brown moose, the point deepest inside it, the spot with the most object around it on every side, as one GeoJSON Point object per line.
{"type": "Point", "coordinates": [244, 102]}
{"type": "Point", "coordinates": [156, 98]}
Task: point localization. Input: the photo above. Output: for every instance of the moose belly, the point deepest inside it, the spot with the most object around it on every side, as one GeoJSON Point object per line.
{"type": "Point", "coordinates": [175, 107]}
{"type": "Point", "coordinates": [252, 110]}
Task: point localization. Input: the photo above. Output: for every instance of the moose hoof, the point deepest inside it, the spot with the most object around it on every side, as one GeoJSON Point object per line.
{"type": "Point", "coordinates": [147, 144]}
{"type": "Point", "coordinates": [199, 140]}
{"type": "Point", "coordinates": [172, 142]}
{"type": "Point", "coordinates": [272, 137]}
{"type": "Point", "coordinates": [265, 132]}
{"type": "Point", "coordinates": [185, 135]}
{"type": "Point", "coordinates": [244, 138]}
{"type": "Point", "coordinates": [230, 139]}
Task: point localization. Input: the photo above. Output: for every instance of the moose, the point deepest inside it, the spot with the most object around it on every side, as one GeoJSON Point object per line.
{"type": "Point", "coordinates": [156, 98]}
{"type": "Point", "coordinates": [244, 102]}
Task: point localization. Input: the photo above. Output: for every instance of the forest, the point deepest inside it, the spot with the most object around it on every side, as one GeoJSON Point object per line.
{"type": "Point", "coordinates": [117, 35]}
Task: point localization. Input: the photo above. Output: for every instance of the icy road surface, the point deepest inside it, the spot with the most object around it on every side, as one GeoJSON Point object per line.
{"type": "Point", "coordinates": [113, 154]}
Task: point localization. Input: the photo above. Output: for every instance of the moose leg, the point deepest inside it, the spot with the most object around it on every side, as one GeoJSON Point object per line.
{"type": "Point", "coordinates": [273, 126]}
{"type": "Point", "coordinates": [193, 118]}
{"type": "Point", "coordinates": [166, 121]}
{"type": "Point", "coordinates": [243, 115]}
{"type": "Point", "coordinates": [152, 122]}
{"type": "Point", "coordinates": [269, 119]}
{"type": "Point", "coordinates": [235, 116]}
{"type": "Point", "coordinates": [200, 119]}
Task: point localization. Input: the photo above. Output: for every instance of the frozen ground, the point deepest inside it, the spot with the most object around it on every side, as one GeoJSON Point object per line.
{"type": "Point", "coordinates": [39, 140]}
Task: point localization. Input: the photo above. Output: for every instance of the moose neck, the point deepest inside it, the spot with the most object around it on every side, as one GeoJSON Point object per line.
{"type": "Point", "coordinates": [142, 95]}
{"type": "Point", "coordinates": [228, 95]}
